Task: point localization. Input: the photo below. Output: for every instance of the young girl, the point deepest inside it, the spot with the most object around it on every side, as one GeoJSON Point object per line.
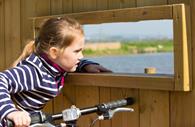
{"type": "Point", "coordinates": [40, 70]}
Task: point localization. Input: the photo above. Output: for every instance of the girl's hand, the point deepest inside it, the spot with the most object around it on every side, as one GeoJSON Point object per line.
{"type": "Point", "coordinates": [20, 118]}
{"type": "Point", "coordinates": [94, 68]}
{"type": "Point", "coordinates": [62, 124]}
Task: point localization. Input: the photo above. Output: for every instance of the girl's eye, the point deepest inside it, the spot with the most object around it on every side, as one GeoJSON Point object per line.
{"type": "Point", "coordinates": [77, 51]}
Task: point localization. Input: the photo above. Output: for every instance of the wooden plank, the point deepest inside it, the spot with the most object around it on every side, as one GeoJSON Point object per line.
{"type": "Point", "coordinates": [192, 103]}
{"type": "Point", "coordinates": [121, 119]}
{"type": "Point", "coordinates": [84, 5]}
{"type": "Point", "coordinates": [179, 1]}
{"type": "Point", "coordinates": [48, 108]}
{"type": "Point", "coordinates": [90, 5]}
{"type": "Point", "coordinates": [126, 119]}
{"type": "Point", "coordinates": [41, 7]}
{"type": "Point", "coordinates": [154, 108]}
{"type": "Point", "coordinates": [2, 35]}
{"type": "Point", "coordinates": [29, 9]}
{"type": "Point", "coordinates": [115, 4]}
{"type": "Point", "coordinates": [129, 3]}
{"type": "Point", "coordinates": [181, 49]}
{"type": "Point", "coordinates": [182, 104]}
{"type": "Point", "coordinates": [78, 6]}
{"type": "Point", "coordinates": [12, 31]}
{"type": "Point", "coordinates": [182, 109]}
{"type": "Point", "coordinates": [189, 43]}
{"type": "Point", "coordinates": [87, 97]}
{"type": "Point", "coordinates": [67, 6]}
{"type": "Point", "coordinates": [32, 8]}
{"type": "Point", "coordinates": [122, 80]}
{"type": "Point", "coordinates": [102, 4]}
{"type": "Point", "coordinates": [66, 98]}
{"type": "Point", "coordinates": [150, 2]}
{"type": "Point", "coordinates": [118, 15]}
{"type": "Point", "coordinates": [180, 101]}
{"type": "Point", "coordinates": [105, 97]}
{"type": "Point", "coordinates": [175, 1]}
{"type": "Point", "coordinates": [56, 7]}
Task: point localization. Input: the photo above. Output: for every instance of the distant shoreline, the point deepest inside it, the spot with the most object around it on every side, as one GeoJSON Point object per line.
{"type": "Point", "coordinates": [131, 47]}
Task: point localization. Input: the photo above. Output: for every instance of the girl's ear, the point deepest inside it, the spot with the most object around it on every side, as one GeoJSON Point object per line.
{"type": "Point", "coordinates": [53, 52]}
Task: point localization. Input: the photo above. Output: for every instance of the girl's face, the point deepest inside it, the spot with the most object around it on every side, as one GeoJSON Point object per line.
{"type": "Point", "coordinates": [69, 58]}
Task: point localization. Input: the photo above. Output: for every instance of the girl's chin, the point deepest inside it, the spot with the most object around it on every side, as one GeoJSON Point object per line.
{"type": "Point", "coordinates": [73, 69]}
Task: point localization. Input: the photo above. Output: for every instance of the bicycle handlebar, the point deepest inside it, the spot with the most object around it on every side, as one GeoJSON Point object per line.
{"type": "Point", "coordinates": [101, 108]}
{"type": "Point", "coordinates": [74, 113]}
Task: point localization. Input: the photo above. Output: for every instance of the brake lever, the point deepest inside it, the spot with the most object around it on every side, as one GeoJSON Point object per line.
{"type": "Point", "coordinates": [110, 113]}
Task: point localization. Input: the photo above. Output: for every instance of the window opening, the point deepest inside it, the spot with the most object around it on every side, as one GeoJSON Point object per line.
{"type": "Point", "coordinates": [131, 47]}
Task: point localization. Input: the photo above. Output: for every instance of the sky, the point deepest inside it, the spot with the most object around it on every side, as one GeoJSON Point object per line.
{"type": "Point", "coordinates": [142, 29]}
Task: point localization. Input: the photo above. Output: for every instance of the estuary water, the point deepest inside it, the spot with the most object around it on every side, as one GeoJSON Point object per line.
{"type": "Point", "coordinates": [163, 62]}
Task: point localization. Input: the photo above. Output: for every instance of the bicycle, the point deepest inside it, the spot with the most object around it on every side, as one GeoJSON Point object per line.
{"type": "Point", "coordinates": [104, 111]}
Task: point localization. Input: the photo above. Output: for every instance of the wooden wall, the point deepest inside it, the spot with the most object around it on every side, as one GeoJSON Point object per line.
{"type": "Point", "coordinates": [153, 108]}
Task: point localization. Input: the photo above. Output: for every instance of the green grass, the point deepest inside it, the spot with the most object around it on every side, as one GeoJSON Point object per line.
{"type": "Point", "coordinates": [135, 47]}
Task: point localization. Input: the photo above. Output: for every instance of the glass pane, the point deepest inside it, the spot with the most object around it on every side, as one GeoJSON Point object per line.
{"type": "Point", "coordinates": [131, 47]}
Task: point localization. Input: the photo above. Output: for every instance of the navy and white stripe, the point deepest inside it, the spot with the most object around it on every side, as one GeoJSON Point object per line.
{"type": "Point", "coordinates": [31, 84]}
{"type": "Point", "coordinates": [25, 83]}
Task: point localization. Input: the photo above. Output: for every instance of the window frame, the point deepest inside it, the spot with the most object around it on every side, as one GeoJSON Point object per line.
{"type": "Point", "coordinates": [179, 81]}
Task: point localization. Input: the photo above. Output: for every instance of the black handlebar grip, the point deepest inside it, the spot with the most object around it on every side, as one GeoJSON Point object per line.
{"type": "Point", "coordinates": [38, 117]}
{"type": "Point", "coordinates": [115, 104]}
{"type": "Point", "coordinates": [120, 103]}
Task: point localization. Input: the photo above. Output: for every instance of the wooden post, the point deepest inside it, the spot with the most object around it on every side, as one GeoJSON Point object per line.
{"type": "Point", "coordinates": [150, 70]}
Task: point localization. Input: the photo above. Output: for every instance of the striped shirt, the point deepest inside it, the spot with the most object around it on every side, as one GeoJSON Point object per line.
{"type": "Point", "coordinates": [31, 84]}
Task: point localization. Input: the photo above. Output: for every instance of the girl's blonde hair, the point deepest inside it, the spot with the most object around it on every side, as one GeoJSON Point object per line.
{"type": "Point", "coordinates": [59, 32]}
